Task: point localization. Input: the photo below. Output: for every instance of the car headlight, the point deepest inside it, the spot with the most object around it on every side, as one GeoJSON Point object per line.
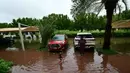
{"type": "Point", "coordinates": [63, 42]}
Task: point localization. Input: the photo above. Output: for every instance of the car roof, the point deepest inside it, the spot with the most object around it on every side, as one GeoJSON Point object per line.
{"type": "Point", "coordinates": [85, 33]}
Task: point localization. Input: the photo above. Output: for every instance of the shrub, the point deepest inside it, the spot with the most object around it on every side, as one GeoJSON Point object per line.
{"type": "Point", "coordinates": [95, 33]}
{"type": "Point", "coordinates": [5, 66]}
{"type": "Point", "coordinates": [46, 33]}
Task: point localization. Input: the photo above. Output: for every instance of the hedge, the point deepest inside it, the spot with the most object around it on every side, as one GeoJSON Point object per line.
{"type": "Point", "coordinates": [72, 34]}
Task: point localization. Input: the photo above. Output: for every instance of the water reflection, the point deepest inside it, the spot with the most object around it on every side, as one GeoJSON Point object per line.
{"type": "Point", "coordinates": [119, 44]}
{"type": "Point", "coordinates": [83, 61]}
{"type": "Point", "coordinates": [81, 65]}
{"type": "Point", "coordinates": [94, 62]}
{"type": "Point", "coordinates": [104, 62]}
{"type": "Point", "coordinates": [61, 67]}
{"type": "Point", "coordinates": [48, 62]}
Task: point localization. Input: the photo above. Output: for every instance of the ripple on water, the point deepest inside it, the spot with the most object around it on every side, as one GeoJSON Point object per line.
{"type": "Point", "coordinates": [46, 62]}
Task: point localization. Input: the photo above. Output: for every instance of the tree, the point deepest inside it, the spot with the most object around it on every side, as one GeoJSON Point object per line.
{"type": "Point", "coordinates": [62, 21]}
{"type": "Point", "coordinates": [125, 3]}
{"type": "Point", "coordinates": [125, 14]}
{"type": "Point", "coordinates": [46, 33]}
{"type": "Point", "coordinates": [3, 25]}
{"type": "Point", "coordinates": [14, 23]}
{"type": "Point", "coordinates": [80, 6]}
{"type": "Point", "coordinates": [26, 21]}
{"type": "Point", "coordinates": [50, 23]}
{"type": "Point", "coordinates": [88, 21]}
{"type": "Point", "coordinates": [80, 21]}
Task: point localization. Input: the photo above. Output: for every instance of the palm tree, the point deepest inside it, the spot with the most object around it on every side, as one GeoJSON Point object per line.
{"type": "Point", "coordinates": [92, 5]}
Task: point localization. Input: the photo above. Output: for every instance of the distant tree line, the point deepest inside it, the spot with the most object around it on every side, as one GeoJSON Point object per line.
{"type": "Point", "coordinates": [88, 21]}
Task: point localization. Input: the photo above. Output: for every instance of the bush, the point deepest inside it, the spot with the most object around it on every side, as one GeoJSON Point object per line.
{"type": "Point", "coordinates": [5, 66]}
{"type": "Point", "coordinates": [72, 34]}
{"type": "Point", "coordinates": [121, 34]}
{"type": "Point", "coordinates": [46, 33]}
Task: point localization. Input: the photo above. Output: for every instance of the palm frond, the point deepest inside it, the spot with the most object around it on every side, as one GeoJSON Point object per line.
{"type": "Point", "coordinates": [81, 6]}
{"type": "Point", "coordinates": [46, 31]}
{"type": "Point", "coordinates": [99, 9]}
{"type": "Point", "coordinates": [125, 3]}
{"type": "Point", "coordinates": [119, 7]}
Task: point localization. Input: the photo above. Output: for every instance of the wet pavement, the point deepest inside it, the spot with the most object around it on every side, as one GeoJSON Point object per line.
{"type": "Point", "coordinates": [73, 62]}
{"type": "Point", "coordinates": [32, 61]}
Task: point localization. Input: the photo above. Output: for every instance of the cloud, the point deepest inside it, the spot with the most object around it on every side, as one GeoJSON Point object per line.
{"type": "Point", "coordinates": [11, 9]}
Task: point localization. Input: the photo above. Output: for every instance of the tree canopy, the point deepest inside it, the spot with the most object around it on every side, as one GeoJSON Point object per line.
{"type": "Point", "coordinates": [87, 21]}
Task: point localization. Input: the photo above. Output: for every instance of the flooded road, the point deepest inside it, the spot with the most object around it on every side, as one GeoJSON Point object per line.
{"type": "Point", "coordinates": [32, 61]}
{"type": "Point", "coordinates": [46, 62]}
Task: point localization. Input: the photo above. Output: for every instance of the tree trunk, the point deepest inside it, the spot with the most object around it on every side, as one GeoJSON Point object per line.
{"type": "Point", "coordinates": [107, 37]}
{"type": "Point", "coordinates": [81, 29]}
{"type": "Point", "coordinates": [110, 5]}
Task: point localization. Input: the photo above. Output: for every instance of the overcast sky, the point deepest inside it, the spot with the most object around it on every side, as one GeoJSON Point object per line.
{"type": "Point", "coordinates": [13, 9]}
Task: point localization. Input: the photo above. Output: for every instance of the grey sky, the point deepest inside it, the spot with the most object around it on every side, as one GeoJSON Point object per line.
{"type": "Point", "coordinates": [13, 9]}
{"type": "Point", "coordinates": [10, 9]}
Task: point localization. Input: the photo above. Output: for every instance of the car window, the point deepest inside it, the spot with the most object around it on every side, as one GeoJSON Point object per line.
{"type": "Point", "coordinates": [58, 38]}
{"type": "Point", "coordinates": [84, 36]}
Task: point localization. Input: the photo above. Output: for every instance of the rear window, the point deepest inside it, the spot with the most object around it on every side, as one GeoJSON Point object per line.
{"type": "Point", "coordinates": [84, 36]}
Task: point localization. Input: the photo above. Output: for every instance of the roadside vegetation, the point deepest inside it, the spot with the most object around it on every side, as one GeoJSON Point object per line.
{"type": "Point", "coordinates": [81, 7]}
{"type": "Point", "coordinates": [5, 66]}
{"type": "Point", "coordinates": [46, 32]}
{"type": "Point", "coordinates": [96, 33]}
{"type": "Point", "coordinates": [62, 24]}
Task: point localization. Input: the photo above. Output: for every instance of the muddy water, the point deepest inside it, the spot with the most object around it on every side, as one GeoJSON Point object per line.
{"type": "Point", "coordinates": [46, 62]}
{"type": "Point", "coordinates": [32, 61]}
{"type": "Point", "coordinates": [120, 44]}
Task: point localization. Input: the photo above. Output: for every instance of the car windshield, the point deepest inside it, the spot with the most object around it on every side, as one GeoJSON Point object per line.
{"type": "Point", "coordinates": [85, 36]}
{"type": "Point", "coordinates": [58, 38]}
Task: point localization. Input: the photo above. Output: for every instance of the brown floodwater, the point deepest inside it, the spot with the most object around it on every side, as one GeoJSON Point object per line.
{"type": "Point", "coordinates": [48, 62]}
{"type": "Point", "coordinates": [32, 61]}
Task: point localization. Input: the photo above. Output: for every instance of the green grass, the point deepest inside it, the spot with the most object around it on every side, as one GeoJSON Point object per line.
{"type": "Point", "coordinates": [107, 51]}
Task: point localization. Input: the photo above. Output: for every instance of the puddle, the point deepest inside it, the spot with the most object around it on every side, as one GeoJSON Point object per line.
{"type": "Point", "coordinates": [31, 61]}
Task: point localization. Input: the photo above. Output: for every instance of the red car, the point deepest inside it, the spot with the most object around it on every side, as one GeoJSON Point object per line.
{"type": "Point", "coordinates": [58, 43]}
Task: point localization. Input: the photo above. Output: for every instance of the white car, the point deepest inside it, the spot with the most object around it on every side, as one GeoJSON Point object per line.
{"type": "Point", "coordinates": [90, 40]}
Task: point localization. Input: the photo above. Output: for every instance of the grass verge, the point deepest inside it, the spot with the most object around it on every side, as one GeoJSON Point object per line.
{"type": "Point", "coordinates": [107, 51]}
